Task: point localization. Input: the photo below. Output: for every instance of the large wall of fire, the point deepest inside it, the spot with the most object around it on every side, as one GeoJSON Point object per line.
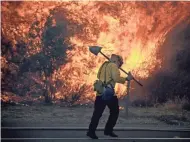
{"type": "Point", "coordinates": [135, 30]}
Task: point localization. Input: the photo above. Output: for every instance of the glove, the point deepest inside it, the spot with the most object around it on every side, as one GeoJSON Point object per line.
{"type": "Point", "coordinates": [129, 77]}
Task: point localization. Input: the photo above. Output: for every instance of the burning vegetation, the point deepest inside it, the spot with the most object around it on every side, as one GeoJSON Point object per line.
{"type": "Point", "coordinates": [45, 47]}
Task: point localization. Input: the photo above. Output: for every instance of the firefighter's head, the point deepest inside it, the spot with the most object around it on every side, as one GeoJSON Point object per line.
{"type": "Point", "coordinates": [117, 59]}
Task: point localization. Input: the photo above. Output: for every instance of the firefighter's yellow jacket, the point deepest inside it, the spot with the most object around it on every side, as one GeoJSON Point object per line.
{"type": "Point", "coordinates": [112, 74]}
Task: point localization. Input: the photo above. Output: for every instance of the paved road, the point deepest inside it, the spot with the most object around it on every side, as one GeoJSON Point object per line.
{"type": "Point", "coordinates": [58, 134]}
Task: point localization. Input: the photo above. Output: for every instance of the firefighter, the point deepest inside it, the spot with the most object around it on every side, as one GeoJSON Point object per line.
{"type": "Point", "coordinates": [110, 74]}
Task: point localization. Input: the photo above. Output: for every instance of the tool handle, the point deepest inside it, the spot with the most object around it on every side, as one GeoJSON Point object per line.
{"type": "Point", "coordinates": [122, 70]}
{"type": "Point", "coordinates": [105, 56]}
{"type": "Point", "coordinates": [133, 77]}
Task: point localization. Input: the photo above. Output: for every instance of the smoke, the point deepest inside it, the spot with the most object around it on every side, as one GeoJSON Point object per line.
{"type": "Point", "coordinates": [172, 79]}
{"type": "Point", "coordinates": [175, 41]}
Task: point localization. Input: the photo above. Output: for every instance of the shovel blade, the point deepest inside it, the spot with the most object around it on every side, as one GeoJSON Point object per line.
{"type": "Point", "coordinates": [95, 49]}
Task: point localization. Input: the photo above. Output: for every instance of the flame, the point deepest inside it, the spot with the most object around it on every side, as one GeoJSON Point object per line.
{"type": "Point", "coordinates": [134, 30]}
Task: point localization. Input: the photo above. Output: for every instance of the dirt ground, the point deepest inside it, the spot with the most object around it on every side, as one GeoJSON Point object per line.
{"type": "Point", "coordinates": [79, 116]}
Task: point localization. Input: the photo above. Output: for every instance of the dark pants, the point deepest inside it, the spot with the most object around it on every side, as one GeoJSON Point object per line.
{"type": "Point", "coordinates": [99, 107]}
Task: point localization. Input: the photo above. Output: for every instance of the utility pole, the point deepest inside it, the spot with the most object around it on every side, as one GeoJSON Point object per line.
{"type": "Point", "coordinates": [127, 99]}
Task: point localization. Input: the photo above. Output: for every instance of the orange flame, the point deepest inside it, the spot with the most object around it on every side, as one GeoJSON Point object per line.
{"type": "Point", "coordinates": [135, 30]}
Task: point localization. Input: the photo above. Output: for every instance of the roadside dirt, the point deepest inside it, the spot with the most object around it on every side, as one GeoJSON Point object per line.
{"type": "Point", "coordinates": [79, 116]}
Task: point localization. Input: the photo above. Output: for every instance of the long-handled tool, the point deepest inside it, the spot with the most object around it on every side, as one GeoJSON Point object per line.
{"type": "Point", "coordinates": [96, 49]}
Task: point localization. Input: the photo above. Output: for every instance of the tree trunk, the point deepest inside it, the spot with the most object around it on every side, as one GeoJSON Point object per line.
{"type": "Point", "coordinates": [47, 96]}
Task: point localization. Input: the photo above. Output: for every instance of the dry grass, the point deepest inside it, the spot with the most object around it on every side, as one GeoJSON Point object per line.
{"type": "Point", "coordinates": [171, 112]}
{"type": "Point", "coordinates": [168, 114]}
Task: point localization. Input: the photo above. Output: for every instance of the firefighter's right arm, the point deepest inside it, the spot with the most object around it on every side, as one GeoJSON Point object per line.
{"type": "Point", "coordinates": [116, 74]}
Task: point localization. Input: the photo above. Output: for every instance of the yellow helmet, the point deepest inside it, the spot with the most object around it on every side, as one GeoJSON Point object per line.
{"type": "Point", "coordinates": [115, 57]}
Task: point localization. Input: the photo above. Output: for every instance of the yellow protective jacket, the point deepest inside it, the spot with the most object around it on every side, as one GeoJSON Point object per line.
{"type": "Point", "coordinates": [112, 74]}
